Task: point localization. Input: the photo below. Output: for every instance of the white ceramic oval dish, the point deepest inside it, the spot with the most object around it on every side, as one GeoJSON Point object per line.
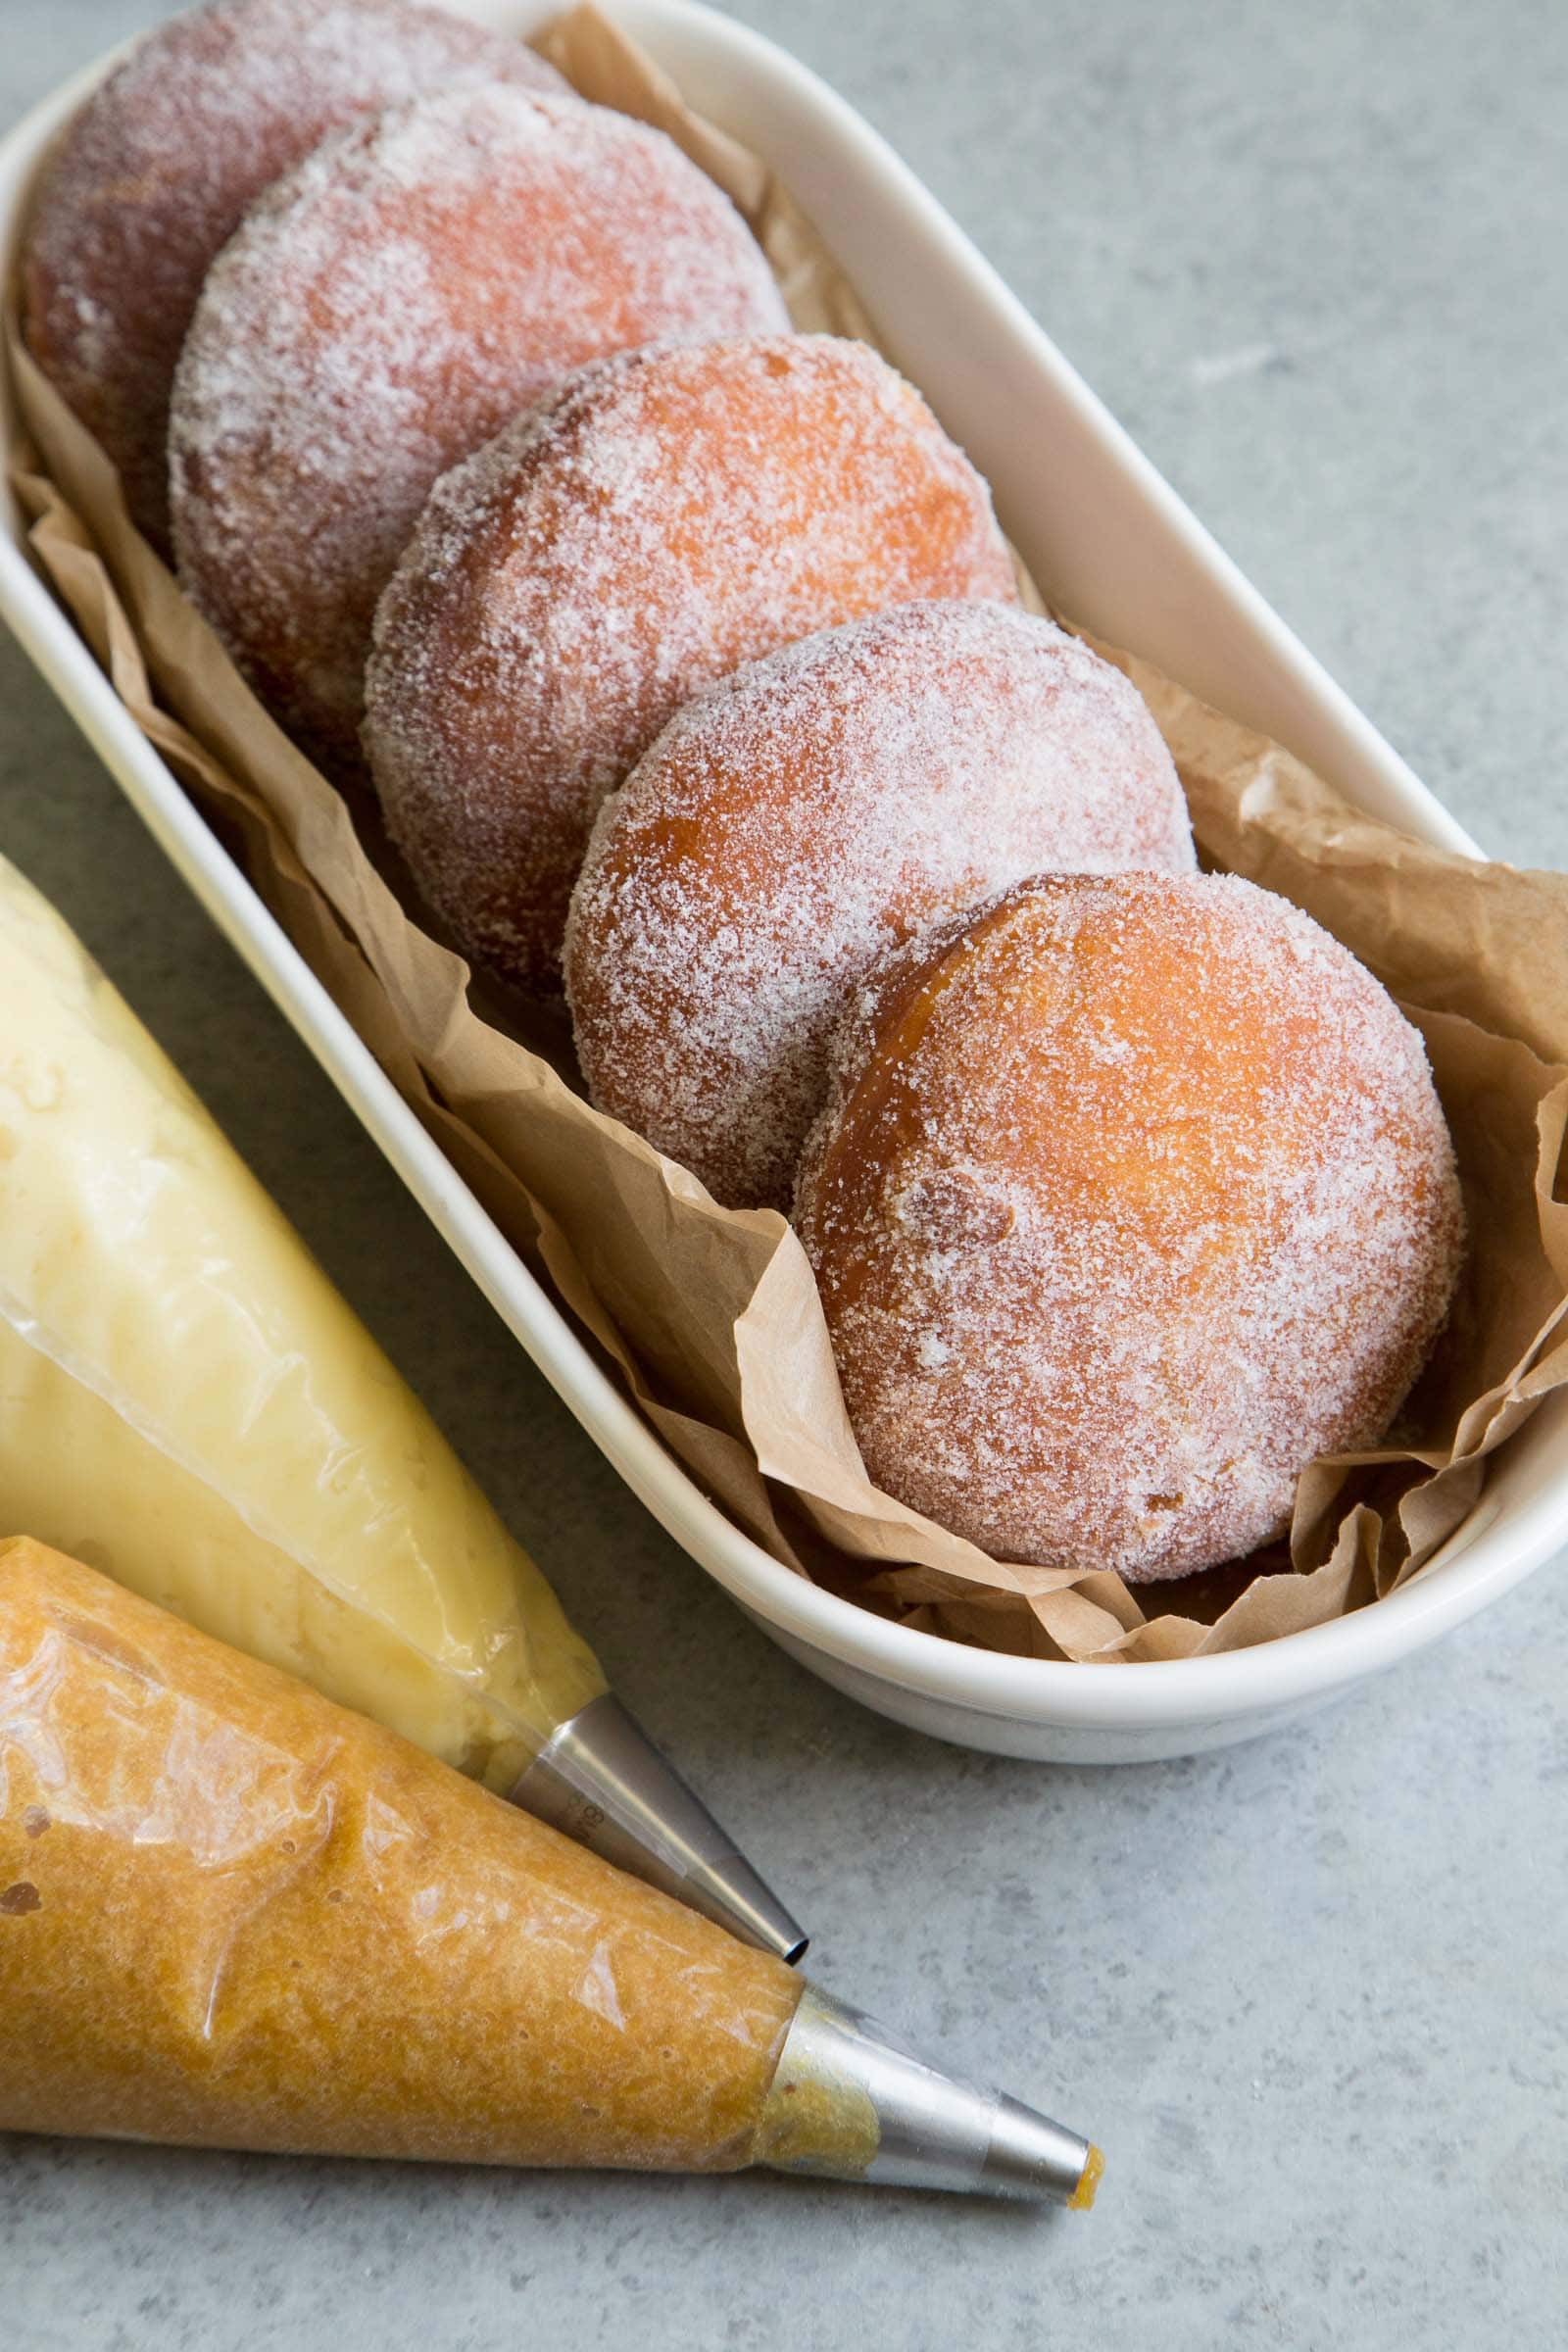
{"type": "Point", "coordinates": [1108, 538]}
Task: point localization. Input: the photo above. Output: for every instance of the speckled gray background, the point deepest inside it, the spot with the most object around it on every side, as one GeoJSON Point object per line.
{"type": "Point", "coordinates": [1312, 1994]}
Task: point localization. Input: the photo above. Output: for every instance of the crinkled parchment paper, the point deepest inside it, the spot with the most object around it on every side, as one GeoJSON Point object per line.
{"type": "Point", "coordinates": [711, 1315]}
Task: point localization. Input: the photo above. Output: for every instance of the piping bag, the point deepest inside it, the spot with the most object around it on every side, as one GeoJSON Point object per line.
{"type": "Point", "coordinates": [187, 1403]}
{"type": "Point", "coordinates": [234, 1915]}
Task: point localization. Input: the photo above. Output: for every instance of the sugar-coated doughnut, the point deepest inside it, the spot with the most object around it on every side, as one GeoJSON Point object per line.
{"type": "Point", "coordinates": [1132, 1196]}
{"type": "Point", "coordinates": [154, 176]}
{"type": "Point", "coordinates": [386, 308]}
{"type": "Point", "coordinates": [799, 819]}
{"type": "Point", "coordinates": [658, 522]}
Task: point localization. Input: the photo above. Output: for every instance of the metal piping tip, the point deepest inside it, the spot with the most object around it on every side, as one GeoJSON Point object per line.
{"type": "Point", "coordinates": [600, 1780]}
{"type": "Point", "coordinates": [849, 2102]}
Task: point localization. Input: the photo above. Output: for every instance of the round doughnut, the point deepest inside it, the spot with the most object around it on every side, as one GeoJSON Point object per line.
{"type": "Point", "coordinates": [1133, 1195]}
{"type": "Point", "coordinates": [386, 308]}
{"type": "Point", "coordinates": [792, 824]}
{"type": "Point", "coordinates": [655, 523]}
{"type": "Point", "coordinates": [154, 176]}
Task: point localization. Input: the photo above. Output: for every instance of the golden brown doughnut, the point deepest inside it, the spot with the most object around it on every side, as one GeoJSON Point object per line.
{"type": "Point", "coordinates": [386, 308]}
{"type": "Point", "coordinates": [796, 820]}
{"type": "Point", "coordinates": [154, 174]}
{"type": "Point", "coordinates": [658, 522]}
{"type": "Point", "coordinates": [1132, 1197]}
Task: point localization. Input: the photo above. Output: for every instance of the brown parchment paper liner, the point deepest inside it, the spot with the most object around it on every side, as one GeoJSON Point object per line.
{"type": "Point", "coordinates": [712, 1316]}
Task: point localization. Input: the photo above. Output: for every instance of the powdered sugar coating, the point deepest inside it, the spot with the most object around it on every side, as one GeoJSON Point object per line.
{"type": "Point", "coordinates": [796, 820]}
{"type": "Point", "coordinates": [385, 309]}
{"type": "Point", "coordinates": [155, 173]}
{"type": "Point", "coordinates": [660, 520]}
{"type": "Point", "coordinates": [1134, 1196]}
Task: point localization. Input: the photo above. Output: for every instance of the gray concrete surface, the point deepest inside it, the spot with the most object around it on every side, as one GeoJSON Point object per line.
{"type": "Point", "coordinates": [1310, 1994]}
